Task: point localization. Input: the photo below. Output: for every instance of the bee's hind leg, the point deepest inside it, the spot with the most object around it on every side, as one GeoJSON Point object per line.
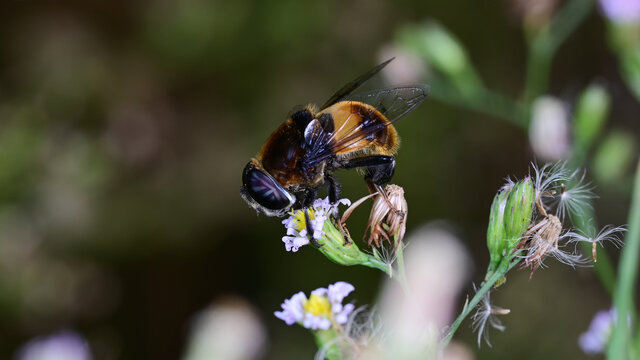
{"type": "Point", "coordinates": [379, 170]}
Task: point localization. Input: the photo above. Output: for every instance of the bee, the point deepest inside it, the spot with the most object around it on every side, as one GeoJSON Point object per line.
{"type": "Point", "coordinates": [349, 131]}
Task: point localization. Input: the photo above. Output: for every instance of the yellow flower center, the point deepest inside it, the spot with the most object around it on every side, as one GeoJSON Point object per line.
{"type": "Point", "coordinates": [318, 305]}
{"type": "Point", "coordinates": [299, 220]}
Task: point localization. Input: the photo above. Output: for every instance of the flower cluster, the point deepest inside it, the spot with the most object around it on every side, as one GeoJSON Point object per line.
{"type": "Point", "coordinates": [322, 310]}
{"type": "Point", "coordinates": [298, 231]}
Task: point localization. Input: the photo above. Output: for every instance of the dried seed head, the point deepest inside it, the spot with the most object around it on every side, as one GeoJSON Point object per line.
{"type": "Point", "coordinates": [541, 241]}
{"type": "Point", "coordinates": [388, 216]}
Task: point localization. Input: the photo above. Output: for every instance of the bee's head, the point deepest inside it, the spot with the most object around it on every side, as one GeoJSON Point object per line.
{"type": "Point", "coordinates": [263, 193]}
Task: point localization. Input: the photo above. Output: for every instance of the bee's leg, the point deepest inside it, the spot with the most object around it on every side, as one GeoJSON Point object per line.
{"type": "Point", "coordinates": [334, 196]}
{"type": "Point", "coordinates": [334, 188]}
{"type": "Point", "coordinates": [305, 197]}
{"type": "Point", "coordinates": [379, 170]}
{"type": "Point", "coordinates": [307, 222]}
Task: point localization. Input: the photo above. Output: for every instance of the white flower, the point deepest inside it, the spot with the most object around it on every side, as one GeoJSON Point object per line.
{"type": "Point", "coordinates": [321, 310]}
{"type": "Point", "coordinates": [296, 224]}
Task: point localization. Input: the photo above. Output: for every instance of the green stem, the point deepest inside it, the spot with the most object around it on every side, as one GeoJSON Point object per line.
{"type": "Point", "coordinates": [546, 42]}
{"type": "Point", "coordinates": [326, 340]}
{"type": "Point", "coordinates": [620, 342]}
{"type": "Point", "coordinates": [402, 275]}
{"type": "Point", "coordinates": [400, 269]}
{"type": "Point", "coordinates": [505, 265]}
{"type": "Point", "coordinates": [481, 100]}
{"type": "Point", "coordinates": [374, 263]}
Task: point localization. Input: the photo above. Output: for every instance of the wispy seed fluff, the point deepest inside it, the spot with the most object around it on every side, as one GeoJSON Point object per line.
{"type": "Point", "coordinates": [487, 314]}
{"type": "Point", "coordinates": [545, 237]}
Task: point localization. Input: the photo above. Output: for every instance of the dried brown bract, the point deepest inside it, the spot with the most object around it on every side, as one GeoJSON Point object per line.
{"type": "Point", "coordinates": [541, 240]}
{"type": "Point", "coordinates": [388, 216]}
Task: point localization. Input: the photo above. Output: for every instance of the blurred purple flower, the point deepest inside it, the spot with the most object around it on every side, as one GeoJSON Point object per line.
{"type": "Point", "coordinates": [594, 341]}
{"type": "Point", "coordinates": [623, 11]}
{"type": "Point", "coordinates": [65, 345]}
{"type": "Point", "coordinates": [321, 310]}
{"type": "Point", "coordinates": [292, 309]}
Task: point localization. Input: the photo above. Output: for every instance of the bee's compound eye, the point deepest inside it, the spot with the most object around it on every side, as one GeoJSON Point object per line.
{"type": "Point", "coordinates": [266, 191]}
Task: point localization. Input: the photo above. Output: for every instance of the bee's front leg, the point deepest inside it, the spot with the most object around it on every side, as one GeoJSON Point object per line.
{"type": "Point", "coordinates": [334, 188]}
{"type": "Point", "coordinates": [307, 222]}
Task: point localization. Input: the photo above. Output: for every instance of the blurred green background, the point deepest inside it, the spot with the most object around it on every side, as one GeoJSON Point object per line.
{"type": "Point", "coordinates": [125, 125]}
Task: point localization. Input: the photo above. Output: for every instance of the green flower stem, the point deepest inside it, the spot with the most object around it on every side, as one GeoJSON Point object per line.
{"type": "Point", "coordinates": [620, 341]}
{"type": "Point", "coordinates": [327, 340]}
{"type": "Point", "coordinates": [545, 43]}
{"type": "Point", "coordinates": [341, 252]}
{"type": "Point", "coordinates": [479, 99]}
{"type": "Point", "coordinates": [374, 263]}
{"type": "Point", "coordinates": [507, 264]}
{"type": "Point", "coordinates": [402, 275]}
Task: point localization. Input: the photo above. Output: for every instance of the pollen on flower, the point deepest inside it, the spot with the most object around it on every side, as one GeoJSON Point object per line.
{"type": "Point", "coordinates": [299, 218]}
{"type": "Point", "coordinates": [318, 305]}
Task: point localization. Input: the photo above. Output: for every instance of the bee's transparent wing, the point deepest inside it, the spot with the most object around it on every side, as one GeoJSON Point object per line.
{"type": "Point", "coordinates": [392, 103]}
{"type": "Point", "coordinates": [352, 86]}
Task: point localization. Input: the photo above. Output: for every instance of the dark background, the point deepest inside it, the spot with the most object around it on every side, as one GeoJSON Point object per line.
{"type": "Point", "coordinates": [125, 125]}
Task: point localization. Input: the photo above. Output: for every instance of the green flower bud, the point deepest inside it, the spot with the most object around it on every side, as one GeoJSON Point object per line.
{"type": "Point", "coordinates": [519, 211]}
{"type": "Point", "coordinates": [511, 214]}
{"type": "Point", "coordinates": [496, 235]}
